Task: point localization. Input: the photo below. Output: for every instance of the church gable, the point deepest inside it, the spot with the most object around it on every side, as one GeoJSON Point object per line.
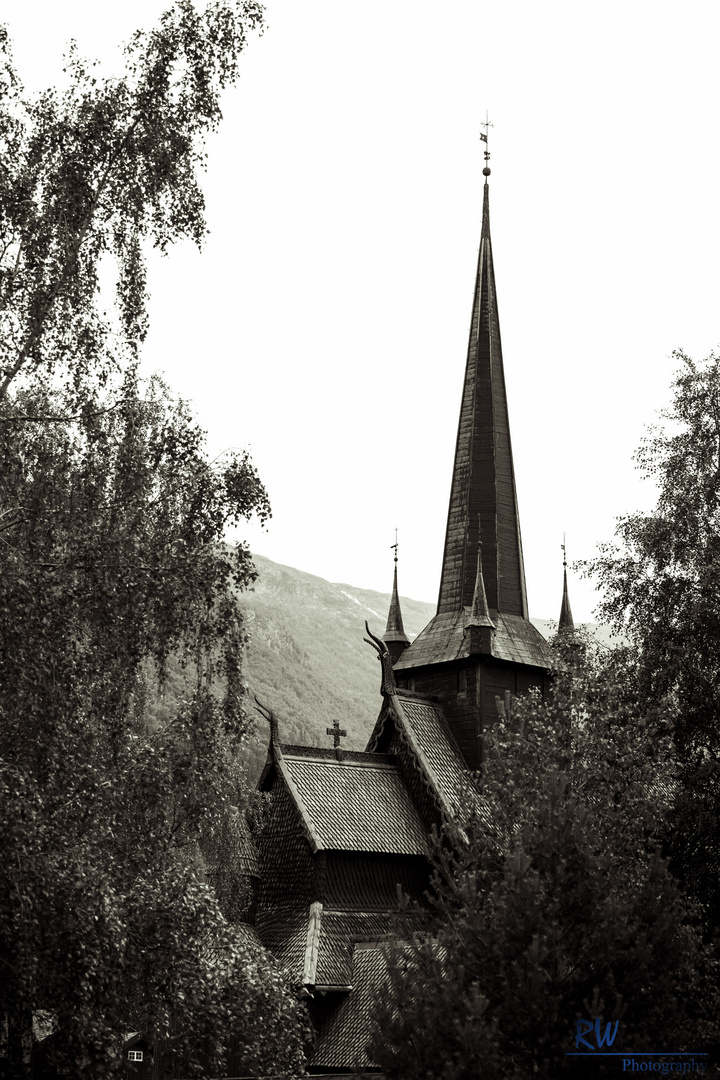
{"type": "Point", "coordinates": [415, 729]}
{"type": "Point", "coordinates": [343, 838]}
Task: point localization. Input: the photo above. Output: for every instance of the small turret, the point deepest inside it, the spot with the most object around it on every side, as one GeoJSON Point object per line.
{"type": "Point", "coordinates": [478, 624]}
{"type": "Point", "coordinates": [395, 637]}
{"type": "Point", "coordinates": [565, 622]}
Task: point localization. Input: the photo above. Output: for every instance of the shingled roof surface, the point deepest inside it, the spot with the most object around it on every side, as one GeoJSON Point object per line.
{"type": "Point", "coordinates": [343, 1041]}
{"type": "Point", "coordinates": [284, 933]}
{"type": "Point", "coordinates": [514, 639]}
{"type": "Point", "coordinates": [443, 760]}
{"type": "Point", "coordinates": [357, 804]}
{"type": "Point", "coordinates": [246, 852]}
{"type": "Point", "coordinates": [248, 935]}
{"type": "Point", "coordinates": [339, 931]}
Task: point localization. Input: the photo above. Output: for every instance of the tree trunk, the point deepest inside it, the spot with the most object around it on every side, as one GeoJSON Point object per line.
{"type": "Point", "coordinates": [20, 1041]}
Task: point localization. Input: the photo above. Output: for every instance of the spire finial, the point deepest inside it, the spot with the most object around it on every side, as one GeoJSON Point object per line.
{"type": "Point", "coordinates": [487, 124]}
{"type": "Point", "coordinates": [395, 546]}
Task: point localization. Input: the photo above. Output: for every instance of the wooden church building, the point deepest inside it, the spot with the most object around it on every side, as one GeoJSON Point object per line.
{"type": "Point", "coordinates": [347, 828]}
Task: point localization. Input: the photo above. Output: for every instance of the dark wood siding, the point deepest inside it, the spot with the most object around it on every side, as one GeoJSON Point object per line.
{"type": "Point", "coordinates": [468, 691]}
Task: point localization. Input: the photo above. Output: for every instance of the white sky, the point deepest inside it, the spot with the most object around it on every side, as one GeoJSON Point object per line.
{"type": "Point", "coordinates": [325, 323]}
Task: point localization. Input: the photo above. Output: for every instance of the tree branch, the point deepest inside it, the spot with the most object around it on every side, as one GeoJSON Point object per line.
{"type": "Point", "coordinates": [49, 417]}
{"type": "Point", "coordinates": [72, 255]}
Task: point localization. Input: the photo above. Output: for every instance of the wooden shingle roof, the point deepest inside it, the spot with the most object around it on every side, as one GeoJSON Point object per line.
{"type": "Point", "coordinates": [395, 631]}
{"type": "Point", "coordinates": [514, 639]}
{"type": "Point", "coordinates": [483, 501]}
{"type": "Point", "coordinates": [343, 1043]}
{"type": "Point", "coordinates": [439, 751]}
{"type": "Point", "coordinates": [358, 803]}
{"type": "Point", "coordinates": [340, 930]}
{"type": "Point", "coordinates": [432, 751]}
{"type": "Point", "coordinates": [565, 622]}
{"type": "Point", "coordinates": [284, 932]}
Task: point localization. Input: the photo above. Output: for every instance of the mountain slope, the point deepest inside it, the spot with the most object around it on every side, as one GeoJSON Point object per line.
{"type": "Point", "coordinates": [307, 660]}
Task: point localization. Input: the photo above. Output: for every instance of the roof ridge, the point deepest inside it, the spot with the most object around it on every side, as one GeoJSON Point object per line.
{"type": "Point", "coordinates": [381, 761]}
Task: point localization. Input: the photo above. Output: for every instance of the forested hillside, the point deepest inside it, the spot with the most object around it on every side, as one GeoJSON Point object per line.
{"type": "Point", "coordinates": [307, 660]}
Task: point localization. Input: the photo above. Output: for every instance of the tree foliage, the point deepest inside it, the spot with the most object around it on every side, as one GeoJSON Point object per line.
{"type": "Point", "coordinates": [96, 170]}
{"type": "Point", "coordinates": [112, 559]}
{"type": "Point", "coordinates": [659, 583]}
{"type": "Point", "coordinates": [557, 905]}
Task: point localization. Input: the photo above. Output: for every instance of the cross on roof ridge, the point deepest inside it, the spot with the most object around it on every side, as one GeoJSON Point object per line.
{"type": "Point", "coordinates": [337, 733]}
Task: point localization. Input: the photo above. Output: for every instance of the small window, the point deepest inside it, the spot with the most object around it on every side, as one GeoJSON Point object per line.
{"type": "Point", "coordinates": [135, 1055]}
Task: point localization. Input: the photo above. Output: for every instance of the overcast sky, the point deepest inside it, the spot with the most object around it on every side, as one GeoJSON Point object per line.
{"type": "Point", "coordinates": [325, 323]}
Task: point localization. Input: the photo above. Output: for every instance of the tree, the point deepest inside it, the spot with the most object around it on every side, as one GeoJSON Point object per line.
{"type": "Point", "coordinates": [555, 905]}
{"type": "Point", "coordinates": [95, 171]}
{"type": "Point", "coordinates": [660, 588]}
{"type": "Point", "coordinates": [112, 560]}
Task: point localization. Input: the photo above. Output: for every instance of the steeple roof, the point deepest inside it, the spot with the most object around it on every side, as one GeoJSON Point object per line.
{"type": "Point", "coordinates": [483, 576]}
{"type": "Point", "coordinates": [395, 631]}
{"type": "Point", "coordinates": [482, 496]}
{"type": "Point", "coordinates": [565, 622]}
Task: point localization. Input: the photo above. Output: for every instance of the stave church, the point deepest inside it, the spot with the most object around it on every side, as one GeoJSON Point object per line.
{"type": "Point", "coordinates": [347, 829]}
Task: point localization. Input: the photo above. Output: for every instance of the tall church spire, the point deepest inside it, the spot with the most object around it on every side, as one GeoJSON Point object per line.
{"type": "Point", "coordinates": [395, 637]}
{"type": "Point", "coordinates": [565, 622]}
{"type": "Point", "coordinates": [480, 645]}
{"type": "Point", "coordinates": [482, 495]}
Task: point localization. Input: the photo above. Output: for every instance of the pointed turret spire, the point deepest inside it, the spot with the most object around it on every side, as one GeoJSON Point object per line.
{"type": "Point", "coordinates": [565, 622]}
{"type": "Point", "coordinates": [483, 494]}
{"type": "Point", "coordinates": [479, 613]}
{"type": "Point", "coordinates": [395, 637]}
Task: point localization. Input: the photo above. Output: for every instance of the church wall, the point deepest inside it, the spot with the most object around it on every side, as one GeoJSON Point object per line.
{"type": "Point", "coordinates": [468, 695]}
{"type": "Point", "coordinates": [368, 881]}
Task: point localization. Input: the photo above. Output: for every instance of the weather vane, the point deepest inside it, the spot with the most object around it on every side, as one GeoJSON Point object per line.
{"type": "Point", "coordinates": [487, 124]}
{"type": "Point", "coordinates": [395, 545]}
{"type": "Point", "coordinates": [563, 551]}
